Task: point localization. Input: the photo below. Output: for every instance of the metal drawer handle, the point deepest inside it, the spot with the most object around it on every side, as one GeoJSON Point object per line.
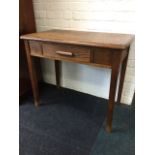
{"type": "Point", "coordinates": [64, 53]}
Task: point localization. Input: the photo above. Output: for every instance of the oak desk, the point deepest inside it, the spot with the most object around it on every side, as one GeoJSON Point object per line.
{"type": "Point", "coordinates": [107, 50]}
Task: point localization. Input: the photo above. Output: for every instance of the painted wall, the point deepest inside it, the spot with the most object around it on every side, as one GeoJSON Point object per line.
{"type": "Point", "coordinates": [89, 15]}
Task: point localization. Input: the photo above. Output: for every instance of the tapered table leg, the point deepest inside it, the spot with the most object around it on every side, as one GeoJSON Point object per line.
{"type": "Point", "coordinates": [111, 102]}
{"type": "Point", "coordinates": [57, 72]}
{"type": "Point", "coordinates": [122, 77]}
{"type": "Point", "coordinates": [33, 74]}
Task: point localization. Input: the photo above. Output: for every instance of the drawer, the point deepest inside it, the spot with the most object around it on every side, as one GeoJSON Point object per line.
{"type": "Point", "coordinates": [35, 47]}
{"type": "Point", "coordinates": [67, 52]}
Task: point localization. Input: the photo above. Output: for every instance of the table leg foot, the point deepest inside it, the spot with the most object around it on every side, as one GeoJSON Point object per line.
{"type": "Point", "coordinates": [36, 103]}
{"type": "Point", "coordinates": [108, 129]}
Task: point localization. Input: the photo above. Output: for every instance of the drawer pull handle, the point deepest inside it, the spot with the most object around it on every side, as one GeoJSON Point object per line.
{"type": "Point", "coordinates": [64, 53]}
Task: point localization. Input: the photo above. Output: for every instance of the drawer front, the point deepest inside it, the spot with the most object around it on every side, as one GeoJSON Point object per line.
{"type": "Point", "coordinates": [35, 47]}
{"type": "Point", "coordinates": [67, 52]}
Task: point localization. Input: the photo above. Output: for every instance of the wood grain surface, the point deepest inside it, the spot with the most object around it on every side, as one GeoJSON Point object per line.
{"type": "Point", "coordinates": [97, 39]}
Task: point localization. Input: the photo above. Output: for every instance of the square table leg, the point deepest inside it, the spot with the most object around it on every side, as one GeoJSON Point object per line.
{"type": "Point", "coordinates": [58, 72]}
{"type": "Point", "coordinates": [33, 74]}
{"type": "Point", "coordinates": [112, 94]}
{"type": "Point", "coordinates": [122, 77]}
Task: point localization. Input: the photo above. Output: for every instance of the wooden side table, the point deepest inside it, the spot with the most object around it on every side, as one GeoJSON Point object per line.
{"type": "Point", "coordinates": [106, 50]}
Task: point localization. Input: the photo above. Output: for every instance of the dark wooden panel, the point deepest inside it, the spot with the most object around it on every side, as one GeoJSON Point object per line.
{"type": "Point", "coordinates": [26, 17]}
{"type": "Point", "coordinates": [26, 25]}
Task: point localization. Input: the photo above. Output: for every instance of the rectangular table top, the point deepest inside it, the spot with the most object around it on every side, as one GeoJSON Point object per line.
{"type": "Point", "coordinates": [85, 38]}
